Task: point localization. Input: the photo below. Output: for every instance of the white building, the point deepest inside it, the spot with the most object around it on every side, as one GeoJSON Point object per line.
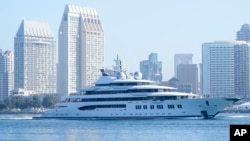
{"type": "Point", "coordinates": [6, 74]}
{"type": "Point", "coordinates": [225, 69]}
{"type": "Point", "coordinates": [23, 92]}
{"type": "Point", "coordinates": [35, 58]}
{"type": "Point", "coordinates": [80, 50]}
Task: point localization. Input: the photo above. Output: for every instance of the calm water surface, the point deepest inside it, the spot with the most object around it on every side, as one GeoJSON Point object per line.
{"type": "Point", "coordinates": [23, 128]}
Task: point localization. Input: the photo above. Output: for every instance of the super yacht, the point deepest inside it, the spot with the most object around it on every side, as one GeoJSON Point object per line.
{"type": "Point", "coordinates": [116, 95]}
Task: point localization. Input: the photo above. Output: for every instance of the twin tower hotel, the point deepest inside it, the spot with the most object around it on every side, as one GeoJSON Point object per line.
{"type": "Point", "coordinates": [80, 49]}
{"type": "Point", "coordinates": [80, 53]}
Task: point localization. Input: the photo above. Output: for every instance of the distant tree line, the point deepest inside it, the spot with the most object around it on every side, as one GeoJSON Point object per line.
{"type": "Point", "coordinates": [21, 102]}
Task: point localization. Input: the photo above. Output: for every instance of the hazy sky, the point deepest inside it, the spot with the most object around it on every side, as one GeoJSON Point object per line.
{"type": "Point", "coordinates": [135, 28]}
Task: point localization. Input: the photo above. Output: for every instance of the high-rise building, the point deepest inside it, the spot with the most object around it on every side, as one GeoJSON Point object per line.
{"type": "Point", "coordinates": [151, 69]}
{"type": "Point", "coordinates": [181, 59]}
{"type": "Point", "coordinates": [35, 58]}
{"type": "Point", "coordinates": [6, 73]}
{"type": "Point", "coordinates": [200, 81]}
{"type": "Point", "coordinates": [80, 50]}
{"type": "Point", "coordinates": [187, 74]}
{"type": "Point", "coordinates": [244, 33]}
{"type": "Point", "coordinates": [225, 69]}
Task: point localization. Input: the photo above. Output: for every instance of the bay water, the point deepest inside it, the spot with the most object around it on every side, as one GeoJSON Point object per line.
{"type": "Point", "coordinates": [22, 127]}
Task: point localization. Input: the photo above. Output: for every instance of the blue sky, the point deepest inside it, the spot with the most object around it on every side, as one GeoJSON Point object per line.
{"type": "Point", "coordinates": [135, 28]}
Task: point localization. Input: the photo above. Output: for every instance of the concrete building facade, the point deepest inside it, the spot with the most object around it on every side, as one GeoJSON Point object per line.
{"type": "Point", "coordinates": [35, 57]}
{"type": "Point", "coordinates": [225, 69]}
{"type": "Point", "coordinates": [80, 49]}
{"type": "Point", "coordinates": [6, 74]}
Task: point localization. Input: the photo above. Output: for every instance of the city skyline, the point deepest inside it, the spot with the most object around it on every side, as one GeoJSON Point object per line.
{"type": "Point", "coordinates": [151, 68]}
{"type": "Point", "coordinates": [160, 27]}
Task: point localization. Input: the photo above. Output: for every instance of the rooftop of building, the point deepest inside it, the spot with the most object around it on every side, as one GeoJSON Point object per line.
{"type": "Point", "coordinates": [80, 9]}
{"type": "Point", "coordinates": [34, 28]}
{"type": "Point", "coordinates": [227, 42]}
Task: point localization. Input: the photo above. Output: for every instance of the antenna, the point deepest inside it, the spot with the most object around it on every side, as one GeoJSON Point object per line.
{"type": "Point", "coordinates": [118, 64]}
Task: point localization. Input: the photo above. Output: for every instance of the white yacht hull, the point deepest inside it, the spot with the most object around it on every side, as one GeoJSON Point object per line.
{"type": "Point", "coordinates": [182, 108]}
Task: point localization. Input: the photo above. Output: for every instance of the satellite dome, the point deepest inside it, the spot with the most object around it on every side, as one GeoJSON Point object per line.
{"type": "Point", "coordinates": [137, 75]}
{"type": "Point", "coordinates": [120, 75]}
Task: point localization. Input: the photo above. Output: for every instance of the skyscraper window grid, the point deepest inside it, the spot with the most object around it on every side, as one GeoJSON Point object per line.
{"type": "Point", "coordinates": [35, 67]}
{"type": "Point", "coordinates": [225, 69]}
{"type": "Point", "coordinates": [81, 49]}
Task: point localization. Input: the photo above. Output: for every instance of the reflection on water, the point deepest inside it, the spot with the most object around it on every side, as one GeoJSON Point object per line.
{"type": "Point", "coordinates": [20, 127]}
{"type": "Point", "coordinates": [29, 116]}
{"type": "Point", "coordinates": [232, 115]}
{"type": "Point", "coordinates": [17, 116]}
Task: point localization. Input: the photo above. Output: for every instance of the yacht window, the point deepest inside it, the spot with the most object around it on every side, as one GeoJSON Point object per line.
{"type": "Point", "coordinates": [126, 91]}
{"type": "Point", "coordinates": [61, 106]}
{"type": "Point", "coordinates": [82, 92]}
{"type": "Point", "coordinates": [170, 106]}
{"type": "Point", "coordinates": [106, 92]}
{"type": "Point", "coordinates": [207, 103]}
{"type": "Point", "coordinates": [166, 90]}
{"type": "Point", "coordinates": [92, 107]}
{"type": "Point", "coordinates": [155, 98]}
{"type": "Point", "coordinates": [102, 84]}
{"type": "Point", "coordinates": [146, 90]}
{"type": "Point", "coordinates": [160, 90]}
{"type": "Point", "coordinates": [184, 97]}
{"type": "Point", "coordinates": [138, 107]}
{"type": "Point", "coordinates": [73, 99]}
{"type": "Point", "coordinates": [152, 107]}
{"type": "Point", "coordinates": [179, 106]}
{"type": "Point", "coordinates": [159, 106]}
{"type": "Point", "coordinates": [124, 84]}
